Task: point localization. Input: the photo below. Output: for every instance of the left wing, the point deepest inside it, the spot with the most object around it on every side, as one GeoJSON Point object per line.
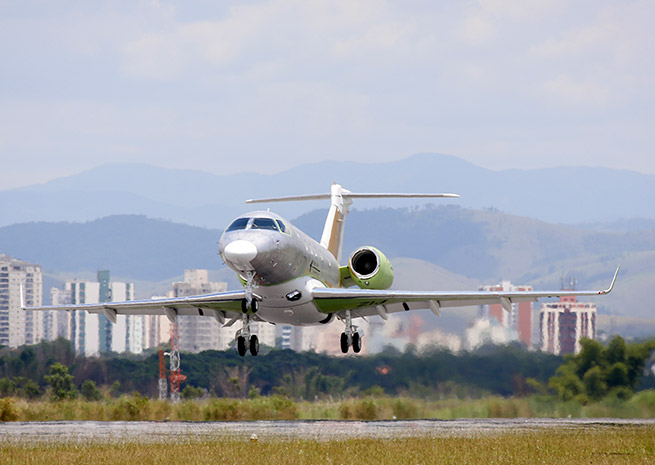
{"type": "Point", "coordinates": [366, 302]}
{"type": "Point", "coordinates": [219, 305]}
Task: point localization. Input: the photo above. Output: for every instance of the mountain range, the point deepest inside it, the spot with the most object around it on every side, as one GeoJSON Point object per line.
{"type": "Point", "coordinates": [599, 198]}
{"type": "Point", "coordinates": [440, 248]}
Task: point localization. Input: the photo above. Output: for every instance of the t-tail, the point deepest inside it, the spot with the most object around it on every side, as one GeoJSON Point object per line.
{"type": "Point", "coordinates": [340, 201]}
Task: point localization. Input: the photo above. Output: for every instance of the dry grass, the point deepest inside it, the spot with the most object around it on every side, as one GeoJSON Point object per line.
{"type": "Point", "coordinates": [136, 407]}
{"type": "Point", "coordinates": [584, 444]}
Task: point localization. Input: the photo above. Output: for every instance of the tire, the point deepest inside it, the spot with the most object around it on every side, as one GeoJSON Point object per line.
{"type": "Point", "coordinates": [241, 345]}
{"type": "Point", "coordinates": [244, 306]}
{"type": "Point", "coordinates": [254, 306]}
{"type": "Point", "coordinates": [344, 343]}
{"type": "Point", "coordinates": [357, 343]}
{"type": "Point", "coordinates": [254, 345]}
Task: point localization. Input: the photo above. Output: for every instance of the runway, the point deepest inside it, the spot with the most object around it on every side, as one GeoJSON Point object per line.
{"type": "Point", "coordinates": [185, 432]}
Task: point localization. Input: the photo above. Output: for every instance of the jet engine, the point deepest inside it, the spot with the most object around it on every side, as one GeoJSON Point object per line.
{"type": "Point", "coordinates": [369, 269]}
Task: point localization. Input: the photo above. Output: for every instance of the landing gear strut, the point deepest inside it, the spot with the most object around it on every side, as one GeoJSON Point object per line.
{"type": "Point", "coordinates": [246, 340]}
{"type": "Point", "coordinates": [249, 305]}
{"type": "Point", "coordinates": [350, 337]}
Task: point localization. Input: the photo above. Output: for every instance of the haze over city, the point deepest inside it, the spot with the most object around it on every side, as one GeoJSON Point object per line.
{"type": "Point", "coordinates": [264, 86]}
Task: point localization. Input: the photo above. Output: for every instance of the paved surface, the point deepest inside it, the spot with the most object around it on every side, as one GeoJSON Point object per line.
{"type": "Point", "coordinates": [84, 431]}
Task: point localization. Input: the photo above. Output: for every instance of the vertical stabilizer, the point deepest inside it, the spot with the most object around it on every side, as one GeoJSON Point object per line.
{"type": "Point", "coordinates": [332, 238]}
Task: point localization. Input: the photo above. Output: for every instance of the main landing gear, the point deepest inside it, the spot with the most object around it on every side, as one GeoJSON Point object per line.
{"type": "Point", "coordinates": [246, 340]}
{"type": "Point", "coordinates": [253, 345]}
{"type": "Point", "coordinates": [350, 337]}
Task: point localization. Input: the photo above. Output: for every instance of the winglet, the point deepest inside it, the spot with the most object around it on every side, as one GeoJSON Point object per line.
{"type": "Point", "coordinates": [609, 289]}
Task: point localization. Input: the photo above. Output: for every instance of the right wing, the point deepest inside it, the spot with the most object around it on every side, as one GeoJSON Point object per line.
{"type": "Point", "coordinates": [219, 305]}
{"type": "Point", "coordinates": [369, 302]}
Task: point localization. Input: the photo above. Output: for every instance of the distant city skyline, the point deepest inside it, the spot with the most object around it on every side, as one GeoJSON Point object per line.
{"type": "Point", "coordinates": [264, 86]}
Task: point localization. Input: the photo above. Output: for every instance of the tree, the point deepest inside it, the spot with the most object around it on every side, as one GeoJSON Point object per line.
{"type": "Point", "coordinates": [594, 383]}
{"type": "Point", "coordinates": [597, 371]}
{"type": "Point", "coordinates": [616, 351]}
{"type": "Point", "coordinates": [61, 382]}
{"type": "Point", "coordinates": [190, 392]}
{"type": "Point", "coordinates": [7, 387]}
{"type": "Point", "coordinates": [29, 389]}
{"type": "Point", "coordinates": [591, 355]}
{"type": "Point", "coordinates": [617, 375]}
{"type": "Point", "coordinates": [566, 383]}
{"type": "Point", "coordinates": [90, 391]}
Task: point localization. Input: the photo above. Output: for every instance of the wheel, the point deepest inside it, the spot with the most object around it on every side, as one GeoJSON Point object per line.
{"type": "Point", "coordinates": [344, 343]}
{"type": "Point", "coordinates": [254, 306]}
{"type": "Point", "coordinates": [357, 343]}
{"type": "Point", "coordinates": [241, 345]}
{"type": "Point", "coordinates": [254, 345]}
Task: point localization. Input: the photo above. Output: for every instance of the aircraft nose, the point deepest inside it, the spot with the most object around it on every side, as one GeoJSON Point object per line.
{"type": "Point", "coordinates": [240, 253]}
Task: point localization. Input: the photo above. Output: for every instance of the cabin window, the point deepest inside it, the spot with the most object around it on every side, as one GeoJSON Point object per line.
{"type": "Point", "coordinates": [264, 223]}
{"type": "Point", "coordinates": [239, 223]}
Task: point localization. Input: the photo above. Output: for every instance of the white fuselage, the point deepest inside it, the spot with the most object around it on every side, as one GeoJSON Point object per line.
{"type": "Point", "coordinates": [285, 264]}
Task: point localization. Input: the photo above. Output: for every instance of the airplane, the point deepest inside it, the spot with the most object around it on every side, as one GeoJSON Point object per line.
{"type": "Point", "coordinates": [289, 278]}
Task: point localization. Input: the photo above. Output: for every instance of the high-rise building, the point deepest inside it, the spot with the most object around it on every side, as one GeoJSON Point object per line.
{"type": "Point", "coordinates": [157, 329]}
{"type": "Point", "coordinates": [17, 326]}
{"type": "Point", "coordinates": [200, 333]}
{"type": "Point", "coordinates": [291, 337]}
{"type": "Point", "coordinates": [92, 333]}
{"type": "Point", "coordinates": [57, 322]}
{"type": "Point", "coordinates": [564, 323]}
{"type": "Point", "coordinates": [205, 333]}
{"type": "Point", "coordinates": [519, 319]}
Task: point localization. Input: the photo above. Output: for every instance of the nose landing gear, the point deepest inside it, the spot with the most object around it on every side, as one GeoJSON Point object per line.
{"type": "Point", "coordinates": [249, 305]}
{"type": "Point", "coordinates": [350, 337]}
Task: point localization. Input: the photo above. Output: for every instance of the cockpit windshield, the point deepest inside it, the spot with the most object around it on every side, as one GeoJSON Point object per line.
{"type": "Point", "coordinates": [264, 223]}
{"type": "Point", "coordinates": [239, 223]}
{"type": "Point", "coordinates": [255, 223]}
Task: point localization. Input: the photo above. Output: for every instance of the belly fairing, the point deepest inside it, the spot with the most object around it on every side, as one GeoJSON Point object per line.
{"type": "Point", "coordinates": [276, 307]}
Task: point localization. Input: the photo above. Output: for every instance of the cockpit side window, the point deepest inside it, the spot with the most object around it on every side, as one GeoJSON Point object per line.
{"type": "Point", "coordinates": [239, 223]}
{"type": "Point", "coordinates": [282, 226]}
{"type": "Point", "coordinates": [264, 223]}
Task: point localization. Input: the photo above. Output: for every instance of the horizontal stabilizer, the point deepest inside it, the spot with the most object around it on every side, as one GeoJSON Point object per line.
{"type": "Point", "coordinates": [340, 201]}
{"type": "Point", "coordinates": [352, 195]}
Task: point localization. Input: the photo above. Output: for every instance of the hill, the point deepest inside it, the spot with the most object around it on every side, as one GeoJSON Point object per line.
{"type": "Point", "coordinates": [465, 247]}
{"type": "Point", "coordinates": [558, 195]}
{"type": "Point", "coordinates": [131, 246]}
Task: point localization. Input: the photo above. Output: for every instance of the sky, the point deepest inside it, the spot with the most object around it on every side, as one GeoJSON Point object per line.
{"type": "Point", "coordinates": [234, 86]}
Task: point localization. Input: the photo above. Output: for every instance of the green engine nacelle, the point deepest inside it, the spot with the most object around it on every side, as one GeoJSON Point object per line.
{"type": "Point", "coordinates": [367, 268]}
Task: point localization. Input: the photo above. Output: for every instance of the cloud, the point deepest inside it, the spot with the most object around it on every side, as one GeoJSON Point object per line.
{"type": "Point", "coordinates": [477, 29]}
{"type": "Point", "coordinates": [602, 58]}
{"type": "Point", "coordinates": [295, 31]}
{"type": "Point", "coordinates": [274, 80]}
{"type": "Point", "coordinates": [520, 9]}
{"type": "Point", "coordinates": [566, 90]}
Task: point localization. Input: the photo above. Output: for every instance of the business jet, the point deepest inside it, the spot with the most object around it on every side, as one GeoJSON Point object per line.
{"type": "Point", "coordinates": [289, 278]}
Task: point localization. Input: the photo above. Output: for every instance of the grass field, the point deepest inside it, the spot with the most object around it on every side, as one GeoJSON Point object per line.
{"type": "Point", "coordinates": [136, 407]}
{"type": "Point", "coordinates": [605, 444]}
